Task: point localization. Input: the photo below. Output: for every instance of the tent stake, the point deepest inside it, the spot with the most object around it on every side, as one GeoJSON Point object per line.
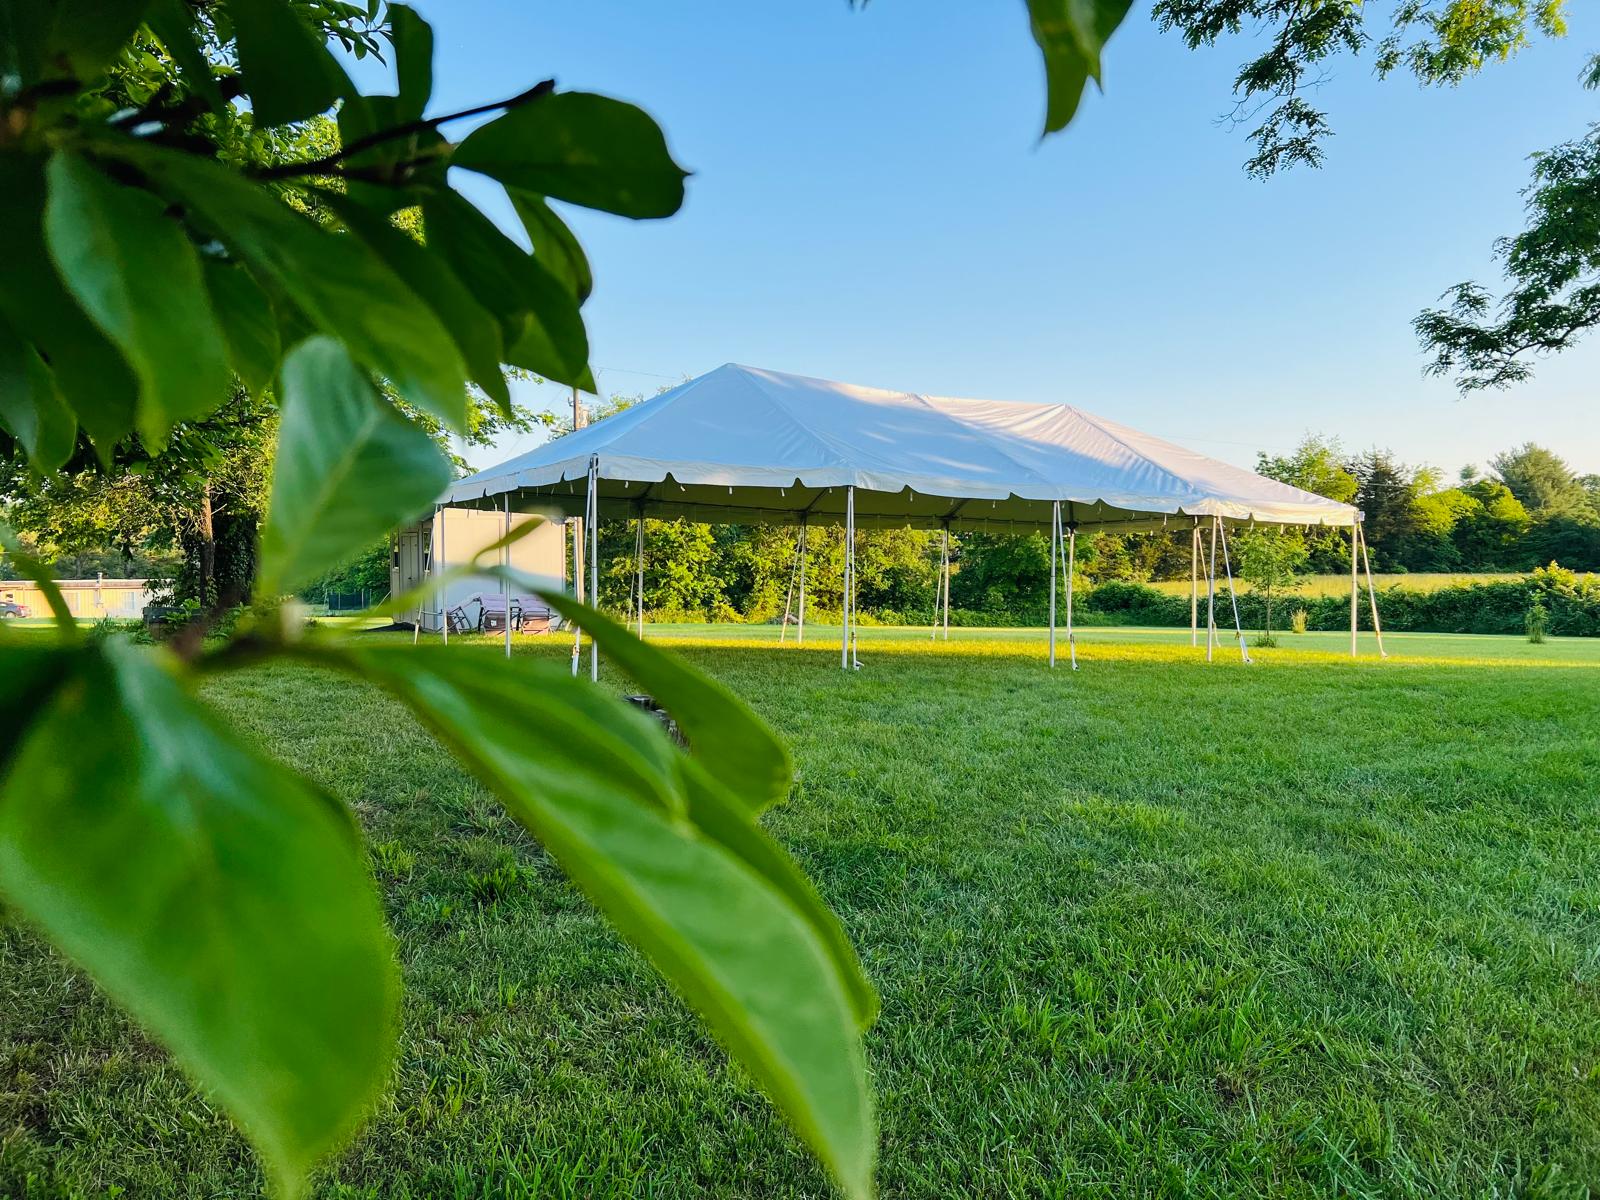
{"type": "Point", "coordinates": [1372, 595]}
{"type": "Point", "coordinates": [1233, 595]}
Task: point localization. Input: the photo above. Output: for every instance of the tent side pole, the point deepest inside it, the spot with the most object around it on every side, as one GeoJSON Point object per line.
{"type": "Point", "coordinates": [577, 587]}
{"type": "Point", "coordinates": [444, 618]}
{"type": "Point", "coordinates": [1233, 594]}
{"type": "Point", "coordinates": [594, 559]}
{"type": "Point", "coordinates": [947, 582]}
{"type": "Point", "coordinates": [1372, 595]}
{"type": "Point", "coordinates": [849, 564]}
{"type": "Point", "coordinates": [788, 596]}
{"type": "Point", "coordinates": [1211, 594]}
{"type": "Point", "coordinates": [1055, 551]}
{"type": "Point", "coordinates": [639, 559]}
{"type": "Point", "coordinates": [1072, 565]}
{"type": "Point", "coordinates": [800, 627]}
{"type": "Point", "coordinates": [1355, 587]}
{"type": "Point", "coordinates": [505, 582]}
{"type": "Point", "coordinates": [1194, 586]}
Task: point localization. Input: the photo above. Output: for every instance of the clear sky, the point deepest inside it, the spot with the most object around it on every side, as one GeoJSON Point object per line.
{"type": "Point", "coordinates": [871, 203]}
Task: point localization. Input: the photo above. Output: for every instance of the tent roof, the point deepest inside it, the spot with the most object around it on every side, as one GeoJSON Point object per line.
{"type": "Point", "coordinates": [740, 444]}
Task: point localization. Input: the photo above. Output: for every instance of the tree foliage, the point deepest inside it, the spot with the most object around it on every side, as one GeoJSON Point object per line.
{"type": "Point", "coordinates": [1437, 41]}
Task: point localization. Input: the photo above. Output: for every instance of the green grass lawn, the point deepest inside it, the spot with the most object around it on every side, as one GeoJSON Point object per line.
{"type": "Point", "coordinates": [1311, 928]}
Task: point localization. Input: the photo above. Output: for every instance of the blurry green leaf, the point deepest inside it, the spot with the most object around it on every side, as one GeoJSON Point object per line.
{"type": "Point", "coordinates": [89, 33]}
{"type": "Point", "coordinates": [553, 243]}
{"type": "Point", "coordinates": [31, 408]}
{"type": "Point", "coordinates": [288, 72]}
{"type": "Point", "coordinates": [249, 325]}
{"type": "Point", "coordinates": [32, 669]}
{"type": "Point", "coordinates": [474, 328]}
{"type": "Point", "coordinates": [733, 744]}
{"type": "Point", "coordinates": [585, 149]}
{"type": "Point", "coordinates": [349, 468]}
{"type": "Point", "coordinates": [539, 319]}
{"type": "Point", "coordinates": [218, 897]}
{"type": "Point", "coordinates": [91, 375]}
{"type": "Point", "coordinates": [413, 60]}
{"type": "Point", "coordinates": [137, 274]}
{"type": "Point", "coordinates": [600, 787]}
{"type": "Point", "coordinates": [333, 279]}
{"type": "Point", "coordinates": [173, 21]}
{"type": "Point", "coordinates": [1071, 35]}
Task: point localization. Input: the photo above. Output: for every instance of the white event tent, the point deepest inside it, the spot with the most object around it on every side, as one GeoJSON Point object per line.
{"type": "Point", "coordinates": [749, 446]}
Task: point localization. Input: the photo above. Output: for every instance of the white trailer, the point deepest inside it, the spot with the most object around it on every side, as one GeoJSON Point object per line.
{"type": "Point", "coordinates": [451, 538]}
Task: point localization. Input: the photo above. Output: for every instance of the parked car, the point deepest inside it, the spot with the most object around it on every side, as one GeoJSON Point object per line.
{"type": "Point", "coordinates": [10, 609]}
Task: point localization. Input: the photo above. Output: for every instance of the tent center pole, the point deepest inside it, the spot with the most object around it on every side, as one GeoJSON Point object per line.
{"type": "Point", "coordinates": [1233, 594]}
{"type": "Point", "coordinates": [594, 560]}
{"type": "Point", "coordinates": [1211, 594]}
{"type": "Point", "coordinates": [1372, 593]}
{"type": "Point", "coordinates": [1072, 566]}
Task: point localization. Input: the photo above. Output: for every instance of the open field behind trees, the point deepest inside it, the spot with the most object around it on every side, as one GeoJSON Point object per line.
{"type": "Point", "coordinates": [1339, 585]}
{"type": "Point", "coordinates": [1312, 928]}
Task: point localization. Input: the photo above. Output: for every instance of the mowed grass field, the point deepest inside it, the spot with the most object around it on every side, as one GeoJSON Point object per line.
{"type": "Point", "coordinates": [1310, 928]}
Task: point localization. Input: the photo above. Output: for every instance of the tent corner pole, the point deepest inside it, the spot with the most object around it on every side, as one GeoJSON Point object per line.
{"type": "Point", "coordinates": [849, 565]}
{"type": "Point", "coordinates": [1372, 595]}
{"type": "Point", "coordinates": [577, 588]}
{"type": "Point", "coordinates": [1055, 555]}
{"type": "Point", "coordinates": [1233, 594]}
{"type": "Point", "coordinates": [947, 581]}
{"type": "Point", "coordinates": [505, 584]}
{"type": "Point", "coordinates": [1355, 585]}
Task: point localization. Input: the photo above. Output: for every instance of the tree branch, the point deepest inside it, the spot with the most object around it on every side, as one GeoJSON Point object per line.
{"type": "Point", "coordinates": [331, 164]}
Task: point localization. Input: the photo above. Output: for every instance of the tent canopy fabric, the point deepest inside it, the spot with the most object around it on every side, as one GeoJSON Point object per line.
{"type": "Point", "coordinates": [744, 445]}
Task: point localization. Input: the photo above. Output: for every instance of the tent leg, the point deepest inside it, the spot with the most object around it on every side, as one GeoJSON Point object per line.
{"type": "Point", "coordinates": [594, 559]}
{"type": "Point", "coordinates": [1211, 594]}
{"type": "Point", "coordinates": [947, 583]}
{"type": "Point", "coordinates": [800, 627]}
{"type": "Point", "coordinates": [1355, 587]}
{"type": "Point", "coordinates": [1194, 586]}
{"type": "Point", "coordinates": [849, 565]}
{"type": "Point", "coordinates": [1372, 596]}
{"type": "Point", "coordinates": [577, 588]}
{"type": "Point", "coordinates": [1055, 553]}
{"type": "Point", "coordinates": [1233, 595]}
{"type": "Point", "coordinates": [1072, 564]}
{"type": "Point", "coordinates": [788, 597]}
{"type": "Point", "coordinates": [505, 583]}
{"type": "Point", "coordinates": [639, 560]}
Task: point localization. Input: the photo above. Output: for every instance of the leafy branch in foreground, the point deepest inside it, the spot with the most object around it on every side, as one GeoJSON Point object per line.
{"type": "Point", "coordinates": [1553, 267]}
{"type": "Point", "coordinates": [167, 250]}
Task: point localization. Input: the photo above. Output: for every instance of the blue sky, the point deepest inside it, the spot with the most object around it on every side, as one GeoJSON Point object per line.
{"type": "Point", "coordinates": [871, 203]}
